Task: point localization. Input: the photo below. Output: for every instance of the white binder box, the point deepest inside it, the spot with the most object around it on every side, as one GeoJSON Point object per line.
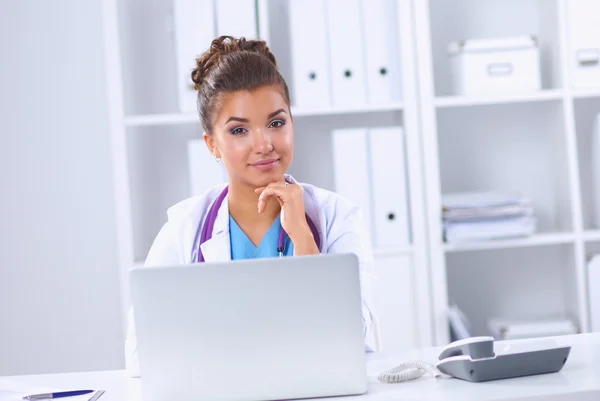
{"type": "Point", "coordinates": [204, 170]}
{"type": "Point", "coordinates": [236, 18]}
{"type": "Point", "coordinates": [309, 53]}
{"type": "Point", "coordinates": [382, 67]}
{"type": "Point", "coordinates": [389, 186]}
{"type": "Point", "coordinates": [584, 42]}
{"type": "Point", "coordinates": [488, 66]}
{"type": "Point", "coordinates": [370, 170]}
{"type": "Point", "coordinates": [194, 30]}
{"type": "Point", "coordinates": [344, 25]}
{"type": "Point", "coordinates": [351, 170]}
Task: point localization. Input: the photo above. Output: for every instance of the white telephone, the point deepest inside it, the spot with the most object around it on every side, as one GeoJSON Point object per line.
{"type": "Point", "coordinates": [474, 359]}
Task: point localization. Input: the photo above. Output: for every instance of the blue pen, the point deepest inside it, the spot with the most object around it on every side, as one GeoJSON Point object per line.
{"type": "Point", "coordinates": [59, 394]}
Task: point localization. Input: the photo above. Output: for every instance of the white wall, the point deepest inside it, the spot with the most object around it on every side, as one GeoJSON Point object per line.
{"type": "Point", "coordinates": [59, 289]}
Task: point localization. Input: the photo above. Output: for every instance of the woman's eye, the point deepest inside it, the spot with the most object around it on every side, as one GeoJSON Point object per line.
{"type": "Point", "coordinates": [277, 124]}
{"type": "Point", "coordinates": [238, 130]}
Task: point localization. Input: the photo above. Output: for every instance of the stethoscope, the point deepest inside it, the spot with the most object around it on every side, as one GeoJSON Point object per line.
{"type": "Point", "coordinates": [209, 224]}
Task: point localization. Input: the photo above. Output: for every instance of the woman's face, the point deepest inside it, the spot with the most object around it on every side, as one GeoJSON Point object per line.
{"type": "Point", "coordinates": [253, 134]}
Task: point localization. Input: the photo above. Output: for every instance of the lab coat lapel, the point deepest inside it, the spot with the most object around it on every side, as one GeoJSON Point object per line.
{"type": "Point", "coordinates": [218, 248]}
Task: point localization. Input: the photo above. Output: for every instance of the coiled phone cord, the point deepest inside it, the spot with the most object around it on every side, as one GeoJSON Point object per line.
{"type": "Point", "coordinates": [409, 370]}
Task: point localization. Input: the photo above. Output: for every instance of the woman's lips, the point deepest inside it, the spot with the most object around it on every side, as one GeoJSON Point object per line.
{"type": "Point", "coordinates": [265, 165]}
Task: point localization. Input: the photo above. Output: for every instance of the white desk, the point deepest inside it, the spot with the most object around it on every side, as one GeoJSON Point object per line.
{"type": "Point", "coordinates": [578, 380]}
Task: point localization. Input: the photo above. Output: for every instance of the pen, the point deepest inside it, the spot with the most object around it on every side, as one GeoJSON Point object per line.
{"type": "Point", "coordinates": [59, 394]}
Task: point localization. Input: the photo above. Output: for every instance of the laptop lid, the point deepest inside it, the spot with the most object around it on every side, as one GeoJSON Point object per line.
{"type": "Point", "coordinates": [257, 329]}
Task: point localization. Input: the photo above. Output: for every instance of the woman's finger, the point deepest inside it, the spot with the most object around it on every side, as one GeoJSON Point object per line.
{"type": "Point", "coordinates": [273, 184]}
{"type": "Point", "coordinates": [263, 199]}
{"type": "Point", "coordinates": [281, 192]}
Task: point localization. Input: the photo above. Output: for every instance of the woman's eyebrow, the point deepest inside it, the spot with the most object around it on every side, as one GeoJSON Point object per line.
{"type": "Point", "coordinates": [273, 114]}
{"type": "Point", "coordinates": [245, 120]}
{"type": "Point", "coordinates": [240, 119]}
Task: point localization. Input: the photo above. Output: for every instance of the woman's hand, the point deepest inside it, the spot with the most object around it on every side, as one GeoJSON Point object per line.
{"type": "Point", "coordinates": [293, 215]}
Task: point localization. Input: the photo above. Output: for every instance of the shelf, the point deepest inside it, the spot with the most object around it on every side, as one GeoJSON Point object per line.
{"type": "Point", "coordinates": [193, 118]}
{"type": "Point", "coordinates": [393, 251]}
{"type": "Point", "coordinates": [161, 119]}
{"type": "Point", "coordinates": [536, 240]}
{"type": "Point", "coordinates": [591, 235]}
{"type": "Point", "coordinates": [463, 101]}
{"type": "Point", "coordinates": [335, 110]}
{"type": "Point", "coordinates": [586, 93]}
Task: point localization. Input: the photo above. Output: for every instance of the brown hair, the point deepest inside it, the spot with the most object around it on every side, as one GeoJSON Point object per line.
{"type": "Point", "coordinates": [231, 65]}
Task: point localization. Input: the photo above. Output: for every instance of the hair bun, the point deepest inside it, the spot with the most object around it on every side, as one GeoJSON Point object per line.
{"type": "Point", "coordinates": [257, 46]}
{"type": "Point", "coordinates": [222, 46]}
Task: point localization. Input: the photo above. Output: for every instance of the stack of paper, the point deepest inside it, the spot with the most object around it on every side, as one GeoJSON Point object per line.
{"type": "Point", "coordinates": [477, 216]}
{"type": "Point", "coordinates": [505, 329]}
{"type": "Point", "coordinates": [12, 390]}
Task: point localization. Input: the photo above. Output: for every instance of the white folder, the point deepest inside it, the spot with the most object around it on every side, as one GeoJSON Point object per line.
{"type": "Point", "coordinates": [309, 53]}
{"type": "Point", "coordinates": [236, 18]}
{"type": "Point", "coordinates": [194, 30]}
{"type": "Point", "coordinates": [346, 52]}
{"type": "Point", "coordinates": [351, 169]}
{"type": "Point", "coordinates": [584, 35]}
{"type": "Point", "coordinates": [390, 192]}
{"type": "Point", "coordinates": [382, 68]}
{"type": "Point", "coordinates": [204, 170]}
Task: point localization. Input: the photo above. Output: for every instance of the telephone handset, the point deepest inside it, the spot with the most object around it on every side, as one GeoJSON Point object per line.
{"type": "Point", "coordinates": [476, 359]}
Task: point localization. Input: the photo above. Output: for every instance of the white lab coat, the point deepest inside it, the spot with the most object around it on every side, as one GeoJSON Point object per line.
{"type": "Point", "coordinates": [339, 222]}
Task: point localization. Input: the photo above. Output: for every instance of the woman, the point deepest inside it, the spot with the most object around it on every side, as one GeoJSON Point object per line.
{"type": "Point", "coordinates": [244, 107]}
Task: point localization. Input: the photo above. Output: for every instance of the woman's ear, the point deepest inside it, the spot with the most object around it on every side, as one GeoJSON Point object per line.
{"type": "Point", "coordinates": [211, 145]}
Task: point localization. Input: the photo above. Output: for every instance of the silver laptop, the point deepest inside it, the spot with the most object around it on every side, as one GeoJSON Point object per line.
{"type": "Point", "coordinates": [262, 329]}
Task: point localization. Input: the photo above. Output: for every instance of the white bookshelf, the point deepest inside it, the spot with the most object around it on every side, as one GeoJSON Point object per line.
{"type": "Point", "coordinates": [464, 101]}
{"type": "Point", "coordinates": [533, 143]}
{"type": "Point", "coordinates": [538, 240]}
{"type": "Point", "coordinates": [151, 136]}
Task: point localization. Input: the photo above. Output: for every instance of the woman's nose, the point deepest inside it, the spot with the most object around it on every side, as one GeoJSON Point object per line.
{"type": "Point", "coordinates": [262, 142]}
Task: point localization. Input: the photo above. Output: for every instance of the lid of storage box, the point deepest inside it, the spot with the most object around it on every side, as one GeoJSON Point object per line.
{"type": "Point", "coordinates": [492, 45]}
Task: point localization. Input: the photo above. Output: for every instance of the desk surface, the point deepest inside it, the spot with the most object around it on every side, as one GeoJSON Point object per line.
{"type": "Point", "coordinates": [578, 380]}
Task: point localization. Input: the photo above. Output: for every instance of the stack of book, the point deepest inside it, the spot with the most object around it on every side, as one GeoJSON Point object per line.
{"type": "Point", "coordinates": [480, 216]}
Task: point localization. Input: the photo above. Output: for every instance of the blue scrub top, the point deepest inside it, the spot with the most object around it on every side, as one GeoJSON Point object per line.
{"type": "Point", "coordinates": [243, 248]}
